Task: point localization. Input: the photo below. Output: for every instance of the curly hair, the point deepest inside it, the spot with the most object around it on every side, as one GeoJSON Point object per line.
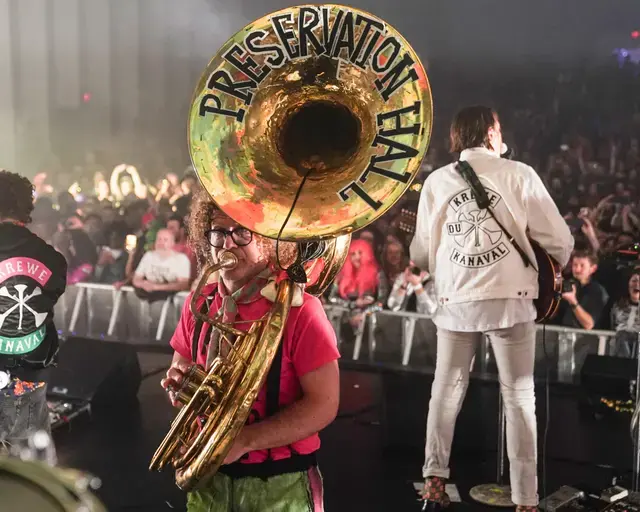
{"type": "Point", "coordinates": [16, 197]}
{"type": "Point", "coordinates": [203, 212]}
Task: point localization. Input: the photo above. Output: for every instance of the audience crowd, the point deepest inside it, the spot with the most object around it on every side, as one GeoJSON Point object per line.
{"type": "Point", "coordinates": [580, 130]}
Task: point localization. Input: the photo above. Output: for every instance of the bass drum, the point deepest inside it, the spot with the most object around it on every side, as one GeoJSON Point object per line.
{"type": "Point", "coordinates": [32, 485]}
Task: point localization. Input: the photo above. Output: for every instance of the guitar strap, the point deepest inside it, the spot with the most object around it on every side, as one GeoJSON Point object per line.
{"type": "Point", "coordinates": [484, 203]}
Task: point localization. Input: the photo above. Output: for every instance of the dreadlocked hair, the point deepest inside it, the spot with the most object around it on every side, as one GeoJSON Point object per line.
{"type": "Point", "coordinates": [16, 197]}
{"type": "Point", "coordinates": [204, 212]}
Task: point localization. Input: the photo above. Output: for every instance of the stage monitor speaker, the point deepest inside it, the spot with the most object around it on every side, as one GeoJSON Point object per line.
{"type": "Point", "coordinates": [99, 372]}
{"type": "Point", "coordinates": [608, 376]}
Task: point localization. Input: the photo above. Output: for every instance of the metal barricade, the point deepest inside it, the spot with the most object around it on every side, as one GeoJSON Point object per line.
{"type": "Point", "coordinates": [102, 311]}
{"type": "Point", "coordinates": [571, 347]}
{"type": "Point", "coordinates": [563, 347]}
{"type": "Point", "coordinates": [396, 337]}
{"type": "Point", "coordinates": [392, 335]}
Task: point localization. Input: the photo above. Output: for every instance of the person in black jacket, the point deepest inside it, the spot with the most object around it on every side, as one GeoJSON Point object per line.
{"type": "Point", "coordinates": [32, 279]}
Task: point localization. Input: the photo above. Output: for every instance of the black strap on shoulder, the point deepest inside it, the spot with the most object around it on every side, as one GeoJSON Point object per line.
{"type": "Point", "coordinates": [273, 383]}
{"type": "Point", "coordinates": [204, 309]}
{"type": "Point", "coordinates": [484, 203]}
{"type": "Point", "coordinates": [273, 390]}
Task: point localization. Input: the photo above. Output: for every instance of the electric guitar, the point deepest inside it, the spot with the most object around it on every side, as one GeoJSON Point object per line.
{"type": "Point", "coordinates": [549, 283]}
{"type": "Point", "coordinates": [549, 272]}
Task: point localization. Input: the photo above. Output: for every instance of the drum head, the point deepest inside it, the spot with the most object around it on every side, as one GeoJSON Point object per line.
{"type": "Point", "coordinates": [36, 486]}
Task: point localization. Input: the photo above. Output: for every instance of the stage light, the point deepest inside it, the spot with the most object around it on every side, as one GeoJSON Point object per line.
{"type": "Point", "coordinates": [86, 97]}
{"type": "Point", "coordinates": [635, 34]}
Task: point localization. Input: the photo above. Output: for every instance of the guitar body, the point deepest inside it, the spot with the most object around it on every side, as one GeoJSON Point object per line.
{"type": "Point", "coordinates": [549, 283]}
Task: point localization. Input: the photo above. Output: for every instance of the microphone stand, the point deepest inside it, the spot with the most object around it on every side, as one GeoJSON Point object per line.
{"type": "Point", "coordinates": [635, 423]}
{"type": "Point", "coordinates": [496, 494]}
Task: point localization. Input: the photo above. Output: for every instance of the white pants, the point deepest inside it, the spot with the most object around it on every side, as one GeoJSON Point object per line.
{"type": "Point", "coordinates": [514, 350]}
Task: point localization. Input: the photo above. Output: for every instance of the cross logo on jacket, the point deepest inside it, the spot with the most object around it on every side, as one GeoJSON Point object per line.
{"type": "Point", "coordinates": [473, 224]}
{"type": "Point", "coordinates": [21, 304]}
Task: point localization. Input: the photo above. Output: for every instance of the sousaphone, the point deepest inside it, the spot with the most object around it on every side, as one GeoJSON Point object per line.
{"type": "Point", "coordinates": [307, 125]}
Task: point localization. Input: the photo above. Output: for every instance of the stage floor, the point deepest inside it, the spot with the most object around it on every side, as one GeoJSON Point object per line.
{"type": "Point", "coordinates": [364, 467]}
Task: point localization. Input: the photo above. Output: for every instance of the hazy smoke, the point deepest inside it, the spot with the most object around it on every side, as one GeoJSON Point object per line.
{"type": "Point", "coordinates": [140, 60]}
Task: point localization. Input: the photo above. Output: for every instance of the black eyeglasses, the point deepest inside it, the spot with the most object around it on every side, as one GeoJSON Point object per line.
{"type": "Point", "coordinates": [240, 236]}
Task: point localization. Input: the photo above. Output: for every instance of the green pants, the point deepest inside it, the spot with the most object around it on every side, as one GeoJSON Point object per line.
{"type": "Point", "coordinates": [292, 492]}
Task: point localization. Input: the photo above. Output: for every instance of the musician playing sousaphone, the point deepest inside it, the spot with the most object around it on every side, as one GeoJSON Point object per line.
{"type": "Point", "coordinates": [272, 464]}
{"type": "Point", "coordinates": [307, 125]}
{"type": "Point", "coordinates": [486, 283]}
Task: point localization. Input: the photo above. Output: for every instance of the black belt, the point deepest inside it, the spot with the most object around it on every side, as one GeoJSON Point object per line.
{"type": "Point", "coordinates": [269, 468]}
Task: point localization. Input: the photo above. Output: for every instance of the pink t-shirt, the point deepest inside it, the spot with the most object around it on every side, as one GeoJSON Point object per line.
{"type": "Point", "coordinates": [309, 342]}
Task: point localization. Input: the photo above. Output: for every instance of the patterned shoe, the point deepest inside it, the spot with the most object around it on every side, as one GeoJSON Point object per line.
{"type": "Point", "coordinates": [434, 495]}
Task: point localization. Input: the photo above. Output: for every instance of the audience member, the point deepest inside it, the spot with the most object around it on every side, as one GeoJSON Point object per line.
{"type": "Point", "coordinates": [584, 299]}
{"type": "Point", "coordinates": [163, 271]}
{"type": "Point", "coordinates": [80, 253]}
{"type": "Point", "coordinates": [413, 291]}
{"type": "Point", "coordinates": [112, 262]}
{"type": "Point", "coordinates": [625, 320]}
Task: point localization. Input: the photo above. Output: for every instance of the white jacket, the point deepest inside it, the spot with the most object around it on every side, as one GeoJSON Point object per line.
{"type": "Point", "coordinates": [468, 255]}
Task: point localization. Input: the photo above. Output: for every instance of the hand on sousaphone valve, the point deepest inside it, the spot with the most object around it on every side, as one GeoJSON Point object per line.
{"type": "Point", "coordinates": [174, 380]}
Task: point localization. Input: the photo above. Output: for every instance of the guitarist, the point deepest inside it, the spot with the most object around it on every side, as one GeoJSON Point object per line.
{"type": "Point", "coordinates": [485, 276]}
